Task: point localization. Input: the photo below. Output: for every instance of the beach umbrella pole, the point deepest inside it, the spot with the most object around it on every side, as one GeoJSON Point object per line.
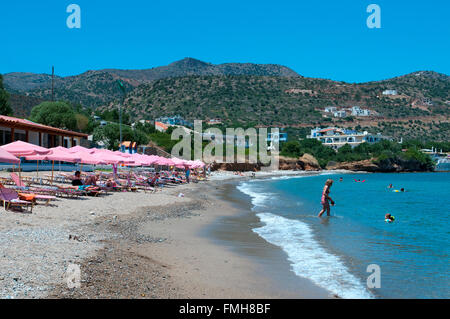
{"type": "Point", "coordinates": [53, 164]}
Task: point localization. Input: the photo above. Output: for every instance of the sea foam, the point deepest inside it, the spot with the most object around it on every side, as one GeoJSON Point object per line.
{"type": "Point", "coordinates": [307, 256]}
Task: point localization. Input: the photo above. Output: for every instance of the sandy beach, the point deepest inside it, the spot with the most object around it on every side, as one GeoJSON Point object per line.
{"type": "Point", "coordinates": [143, 245]}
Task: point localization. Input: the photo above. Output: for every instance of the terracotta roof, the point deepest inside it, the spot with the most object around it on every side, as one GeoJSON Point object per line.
{"type": "Point", "coordinates": [23, 123]}
{"type": "Point", "coordinates": [161, 125]}
{"type": "Point", "coordinates": [125, 143]}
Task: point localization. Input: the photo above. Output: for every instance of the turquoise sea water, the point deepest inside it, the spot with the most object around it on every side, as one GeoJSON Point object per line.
{"type": "Point", "coordinates": [334, 252]}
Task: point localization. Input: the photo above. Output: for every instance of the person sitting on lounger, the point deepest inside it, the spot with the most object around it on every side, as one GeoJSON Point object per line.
{"type": "Point", "coordinates": [77, 180]}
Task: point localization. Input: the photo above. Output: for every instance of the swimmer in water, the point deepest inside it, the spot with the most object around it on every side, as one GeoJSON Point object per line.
{"type": "Point", "coordinates": [390, 186]}
{"type": "Point", "coordinates": [341, 179]}
{"type": "Point", "coordinates": [389, 218]}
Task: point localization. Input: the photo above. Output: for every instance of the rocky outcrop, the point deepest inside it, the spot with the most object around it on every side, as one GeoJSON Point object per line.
{"type": "Point", "coordinates": [386, 166]}
{"type": "Point", "coordinates": [401, 165]}
{"type": "Point", "coordinates": [236, 167]}
{"type": "Point", "coordinates": [365, 165]}
{"type": "Point", "coordinates": [305, 163]}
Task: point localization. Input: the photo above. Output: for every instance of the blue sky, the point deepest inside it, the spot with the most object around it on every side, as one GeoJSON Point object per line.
{"type": "Point", "coordinates": [326, 38]}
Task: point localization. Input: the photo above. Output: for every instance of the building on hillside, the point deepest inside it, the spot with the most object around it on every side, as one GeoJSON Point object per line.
{"type": "Point", "coordinates": [390, 92]}
{"type": "Point", "coordinates": [15, 129]}
{"type": "Point", "coordinates": [216, 121]}
{"type": "Point", "coordinates": [161, 127]}
{"type": "Point", "coordinates": [174, 120]}
{"type": "Point", "coordinates": [341, 113]}
{"type": "Point", "coordinates": [330, 109]}
{"type": "Point", "coordinates": [128, 147]}
{"type": "Point", "coordinates": [357, 111]}
{"type": "Point", "coordinates": [337, 137]}
{"type": "Point", "coordinates": [280, 136]}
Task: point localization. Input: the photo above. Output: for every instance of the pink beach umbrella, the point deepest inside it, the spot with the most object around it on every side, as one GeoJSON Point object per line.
{"type": "Point", "coordinates": [110, 158]}
{"type": "Point", "coordinates": [143, 159]}
{"type": "Point", "coordinates": [179, 163]}
{"type": "Point", "coordinates": [136, 160]}
{"type": "Point", "coordinates": [56, 154]}
{"type": "Point", "coordinates": [165, 161]}
{"type": "Point", "coordinates": [199, 164]}
{"type": "Point", "coordinates": [89, 159]}
{"type": "Point", "coordinates": [6, 157]}
{"type": "Point", "coordinates": [20, 149]}
{"type": "Point", "coordinates": [79, 148]}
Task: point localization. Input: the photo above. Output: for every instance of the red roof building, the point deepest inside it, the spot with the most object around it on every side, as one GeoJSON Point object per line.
{"type": "Point", "coordinates": [15, 129]}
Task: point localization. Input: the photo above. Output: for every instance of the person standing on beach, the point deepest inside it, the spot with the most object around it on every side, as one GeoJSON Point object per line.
{"type": "Point", "coordinates": [326, 199]}
{"type": "Point", "coordinates": [188, 174]}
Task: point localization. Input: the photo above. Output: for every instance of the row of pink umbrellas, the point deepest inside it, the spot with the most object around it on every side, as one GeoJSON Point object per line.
{"type": "Point", "coordinates": [10, 153]}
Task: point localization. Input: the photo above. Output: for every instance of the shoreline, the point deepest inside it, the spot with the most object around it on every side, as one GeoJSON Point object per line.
{"type": "Point", "coordinates": [164, 247]}
{"type": "Point", "coordinates": [183, 258]}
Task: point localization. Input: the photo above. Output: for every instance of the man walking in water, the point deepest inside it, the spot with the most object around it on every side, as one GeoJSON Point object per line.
{"type": "Point", "coordinates": [326, 199]}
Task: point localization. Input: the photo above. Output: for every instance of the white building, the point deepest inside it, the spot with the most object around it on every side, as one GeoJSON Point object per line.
{"type": "Point", "coordinates": [390, 92]}
{"type": "Point", "coordinates": [357, 111]}
{"type": "Point", "coordinates": [331, 109]}
{"type": "Point", "coordinates": [336, 137]}
{"type": "Point", "coordinates": [341, 113]}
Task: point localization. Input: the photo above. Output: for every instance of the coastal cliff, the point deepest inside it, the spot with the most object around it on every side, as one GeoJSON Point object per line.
{"type": "Point", "coordinates": [389, 165]}
{"type": "Point", "coordinates": [308, 162]}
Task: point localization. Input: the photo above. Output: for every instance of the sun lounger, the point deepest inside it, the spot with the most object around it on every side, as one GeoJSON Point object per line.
{"type": "Point", "coordinates": [36, 197]}
{"type": "Point", "coordinates": [11, 198]}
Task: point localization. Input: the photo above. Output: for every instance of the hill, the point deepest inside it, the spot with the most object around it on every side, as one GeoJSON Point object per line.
{"type": "Point", "coordinates": [271, 100]}
{"type": "Point", "coordinates": [190, 66]}
{"type": "Point", "coordinates": [96, 88]}
{"type": "Point", "coordinates": [252, 94]}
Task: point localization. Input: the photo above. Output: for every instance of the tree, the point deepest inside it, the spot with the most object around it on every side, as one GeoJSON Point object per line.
{"type": "Point", "coordinates": [110, 135]}
{"type": "Point", "coordinates": [82, 122]}
{"type": "Point", "coordinates": [5, 108]}
{"type": "Point", "coordinates": [291, 149]}
{"type": "Point", "coordinates": [56, 114]}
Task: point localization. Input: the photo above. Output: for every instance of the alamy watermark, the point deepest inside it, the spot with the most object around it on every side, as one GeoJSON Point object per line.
{"type": "Point", "coordinates": [236, 145]}
{"type": "Point", "coordinates": [74, 19]}
{"type": "Point", "coordinates": [374, 20]}
{"type": "Point", "coordinates": [374, 279]}
{"type": "Point", "coordinates": [73, 276]}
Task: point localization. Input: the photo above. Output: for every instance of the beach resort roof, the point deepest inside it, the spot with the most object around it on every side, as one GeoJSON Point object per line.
{"type": "Point", "coordinates": [28, 125]}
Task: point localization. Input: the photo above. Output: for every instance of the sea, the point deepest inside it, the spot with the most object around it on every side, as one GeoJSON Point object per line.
{"type": "Point", "coordinates": [355, 253]}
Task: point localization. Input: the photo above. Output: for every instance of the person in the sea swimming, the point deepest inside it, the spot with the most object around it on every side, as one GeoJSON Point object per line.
{"type": "Point", "coordinates": [326, 199]}
{"type": "Point", "coordinates": [402, 189]}
{"type": "Point", "coordinates": [390, 186]}
{"type": "Point", "coordinates": [341, 179]}
{"type": "Point", "coordinates": [389, 218]}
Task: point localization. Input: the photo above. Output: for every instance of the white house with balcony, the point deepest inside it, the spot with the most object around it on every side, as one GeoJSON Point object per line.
{"type": "Point", "coordinates": [337, 137]}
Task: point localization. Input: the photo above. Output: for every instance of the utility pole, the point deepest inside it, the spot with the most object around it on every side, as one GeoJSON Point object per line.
{"type": "Point", "coordinates": [122, 88]}
{"type": "Point", "coordinates": [53, 84]}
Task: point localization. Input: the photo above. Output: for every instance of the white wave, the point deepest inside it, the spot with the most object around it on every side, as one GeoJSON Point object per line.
{"type": "Point", "coordinates": [259, 199]}
{"type": "Point", "coordinates": [308, 258]}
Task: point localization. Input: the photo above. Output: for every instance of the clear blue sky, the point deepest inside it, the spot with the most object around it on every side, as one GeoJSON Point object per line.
{"type": "Point", "coordinates": [323, 38]}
